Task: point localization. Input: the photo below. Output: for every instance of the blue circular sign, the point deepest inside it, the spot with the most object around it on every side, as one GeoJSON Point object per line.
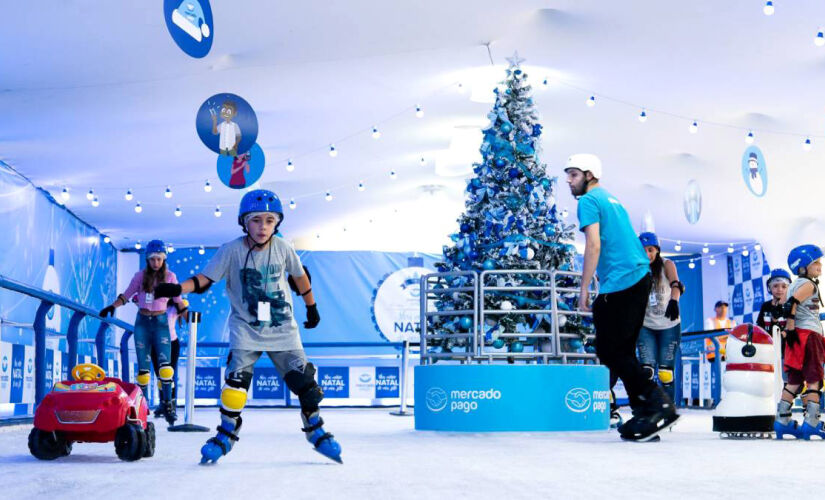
{"type": "Point", "coordinates": [227, 124]}
{"type": "Point", "coordinates": [243, 170]}
{"type": "Point", "coordinates": [190, 24]}
{"type": "Point", "coordinates": [755, 171]}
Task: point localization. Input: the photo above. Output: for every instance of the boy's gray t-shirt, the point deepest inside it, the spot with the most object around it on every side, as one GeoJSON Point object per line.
{"type": "Point", "coordinates": [807, 312]}
{"type": "Point", "coordinates": [255, 277]}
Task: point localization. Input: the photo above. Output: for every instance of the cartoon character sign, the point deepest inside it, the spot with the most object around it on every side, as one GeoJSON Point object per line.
{"type": "Point", "coordinates": [755, 171]}
{"type": "Point", "coordinates": [227, 124]}
{"type": "Point", "coordinates": [243, 170]}
{"type": "Point", "coordinates": [692, 202]}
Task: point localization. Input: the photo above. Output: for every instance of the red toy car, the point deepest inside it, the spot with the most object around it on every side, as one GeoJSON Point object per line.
{"type": "Point", "coordinates": [92, 408]}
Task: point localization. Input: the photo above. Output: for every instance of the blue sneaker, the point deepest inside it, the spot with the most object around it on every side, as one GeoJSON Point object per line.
{"type": "Point", "coordinates": [222, 443]}
{"type": "Point", "coordinates": [323, 441]}
{"type": "Point", "coordinates": [808, 430]}
{"type": "Point", "coordinates": [791, 428]}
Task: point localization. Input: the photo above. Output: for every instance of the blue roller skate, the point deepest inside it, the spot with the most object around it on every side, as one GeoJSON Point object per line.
{"type": "Point", "coordinates": [222, 443]}
{"type": "Point", "coordinates": [323, 441]}
{"type": "Point", "coordinates": [812, 425]}
{"type": "Point", "coordinates": [791, 428]}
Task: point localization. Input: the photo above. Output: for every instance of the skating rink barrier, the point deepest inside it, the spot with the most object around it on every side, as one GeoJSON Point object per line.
{"type": "Point", "coordinates": [28, 372]}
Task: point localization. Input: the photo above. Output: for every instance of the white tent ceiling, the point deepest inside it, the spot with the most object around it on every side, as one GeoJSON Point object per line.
{"type": "Point", "coordinates": [96, 95]}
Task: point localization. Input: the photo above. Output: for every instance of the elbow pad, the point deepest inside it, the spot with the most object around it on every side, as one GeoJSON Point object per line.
{"type": "Point", "coordinates": [198, 288]}
{"type": "Point", "coordinates": [789, 308]}
{"type": "Point", "coordinates": [678, 284]}
{"type": "Point", "coordinates": [291, 281]}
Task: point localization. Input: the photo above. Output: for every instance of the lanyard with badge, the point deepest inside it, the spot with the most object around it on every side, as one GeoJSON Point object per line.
{"type": "Point", "coordinates": [264, 313]}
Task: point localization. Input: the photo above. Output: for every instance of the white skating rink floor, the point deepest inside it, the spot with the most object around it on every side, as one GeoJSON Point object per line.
{"type": "Point", "coordinates": [384, 457]}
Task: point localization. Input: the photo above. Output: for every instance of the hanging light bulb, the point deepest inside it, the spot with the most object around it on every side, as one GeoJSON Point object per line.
{"type": "Point", "coordinates": [218, 211]}
{"type": "Point", "coordinates": [90, 195]}
{"type": "Point", "coordinates": [730, 248]}
{"type": "Point", "coordinates": [168, 192]}
{"type": "Point", "coordinates": [819, 39]}
{"type": "Point", "coordinates": [757, 247]}
{"type": "Point", "coordinates": [419, 112]}
{"type": "Point", "coordinates": [207, 186]}
{"type": "Point", "coordinates": [95, 201]}
{"type": "Point", "coordinates": [705, 248]}
{"type": "Point", "coordinates": [678, 246]}
{"type": "Point", "coordinates": [807, 146]}
{"type": "Point", "coordinates": [292, 204]}
{"type": "Point", "coordinates": [712, 261]}
{"type": "Point", "coordinates": [361, 186]}
{"type": "Point", "coordinates": [328, 196]}
{"type": "Point", "coordinates": [643, 116]}
{"type": "Point", "coordinates": [170, 248]}
{"type": "Point", "coordinates": [290, 166]}
{"type": "Point", "coordinates": [694, 127]}
{"type": "Point", "coordinates": [137, 245]}
{"type": "Point", "coordinates": [178, 211]}
{"type": "Point", "coordinates": [564, 213]}
{"type": "Point", "coordinates": [128, 196]}
{"type": "Point", "coordinates": [106, 239]}
{"type": "Point", "coordinates": [201, 250]}
{"type": "Point", "coordinates": [749, 138]}
{"type": "Point", "coordinates": [745, 252]}
{"type": "Point", "coordinates": [138, 208]}
{"type": "Point", "coordinates": [65, 194]}
{"type": "Point", "coordinates": [691, 264]}
{"type": "Point", "coordinates": [393, 175]}
{"type": "Point", "coordinates": [591, 101]}
{"type": "Point", "coordinates": [332, 151]}
{"type": "Point", "coordinates": [376, 134]}
{"type": "Point", "coordinates": [768, 8]}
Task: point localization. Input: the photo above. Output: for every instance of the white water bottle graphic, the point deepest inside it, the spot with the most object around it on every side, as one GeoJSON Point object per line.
{"type": "Point", "coordinates": [51, 283]}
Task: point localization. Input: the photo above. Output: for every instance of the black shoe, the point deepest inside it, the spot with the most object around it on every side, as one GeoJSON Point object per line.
{"type": "Point", "coordinates": [170, 412]}
{"type": "Point", "coordinates": [655, 414]}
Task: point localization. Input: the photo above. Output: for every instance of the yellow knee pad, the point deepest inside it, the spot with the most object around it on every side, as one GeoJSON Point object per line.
{"type": "Point", "coordinates": [166, 373]}
{"type": "Point", "coordinates": [233, 399]}
{"type": "Point", "coordinates": [665, 376]}
{"type": "Point", "coordinates": [144, 378]}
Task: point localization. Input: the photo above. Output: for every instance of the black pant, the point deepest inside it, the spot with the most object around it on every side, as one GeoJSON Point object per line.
{"type": "Point", "coordinates": [175, 353]}
{"type": "Point", "coordinates": [618, 317]}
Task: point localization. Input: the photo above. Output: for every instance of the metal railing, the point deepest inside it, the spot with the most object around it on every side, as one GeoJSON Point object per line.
{"type": "Point", "coordinates": [479, 349]}
{"type": "Point", "coordinates": [47, 301]}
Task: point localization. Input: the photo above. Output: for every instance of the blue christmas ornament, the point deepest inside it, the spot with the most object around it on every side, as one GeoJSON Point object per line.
{"type": "Point", "coordinates": [473, 255]}
{"type": "Point", "coordinates": [500, 162]}
{"type": "Point", "coordinates": [576, 344]}
{"type": "Point", "coordinates": [516, 347]}
{"type": "Point", "coordinates": [498, 343]}
{"type": "Point", "coordinates": [517, 72]}
{"type": "Point", "coordinates": [466, 322]}
{"type": "Point", "coordinates": [465, 228]}
{"type": "Point", "coordinates": [536, 130]}
{"type": "Point", "coordinates": [513, 172]}
{"type": "Point", "coordinates": [549, 230]}
{"type": "Point", "coordinates": [590, 349]}
{"type": "Point", "coordinates": [506, 128]}
{"type": "Point", "coordinates": [489, 264]}
{"type": "Point", "coordinates": [545, 183]}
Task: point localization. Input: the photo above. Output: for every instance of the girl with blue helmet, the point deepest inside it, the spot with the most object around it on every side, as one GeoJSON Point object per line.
{"type": "Point", "coordinates": [661, 331]}
{"type": "Point", "coordinates": [152, 324]}
{"type": "Point", "coordinates": [804, 347]}
{"type": "Point", "coordinates": [257, 267]}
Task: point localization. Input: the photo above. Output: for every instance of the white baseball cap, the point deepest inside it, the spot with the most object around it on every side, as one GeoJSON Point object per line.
{"type": "Point", "coordinates": [585, 162]}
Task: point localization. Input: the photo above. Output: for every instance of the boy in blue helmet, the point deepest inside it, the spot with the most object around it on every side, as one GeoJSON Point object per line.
{"type": "Point", "coordinates": [804, 349]}
{"type": "Point", "coordinates": [255, 267]}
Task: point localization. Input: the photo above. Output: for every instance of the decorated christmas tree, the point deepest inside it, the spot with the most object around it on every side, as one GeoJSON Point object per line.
{"type": "Point", "coordinates": [511, 222]}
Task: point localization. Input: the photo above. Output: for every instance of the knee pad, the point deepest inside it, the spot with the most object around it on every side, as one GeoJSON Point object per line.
{"type": "Point", "coordinates": [144, 377]}
{"type": "Point", "coordinates": [305, 387]}
{"type": "Point", "coordinates": [234, 393]}
{"type": "Point", "coordinates": [813, 394]}
{"type": "Point", "coordinates": [166, 373]}
{"type": "Point", "coordinates": [649, 372]}
{"type": "Point", "coordinates": [665, 375]}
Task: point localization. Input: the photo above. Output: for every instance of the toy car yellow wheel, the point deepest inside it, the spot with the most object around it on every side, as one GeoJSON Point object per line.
{"type": "Point", "coordinates": [88, 372]}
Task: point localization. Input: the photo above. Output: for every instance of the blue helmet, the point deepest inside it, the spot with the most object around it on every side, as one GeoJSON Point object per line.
{"type": "Point", "coordinates": [155, 246]}
{"type": "Point", "coordinates": [802, 256]}
{"type": "Point", "coordinates": [779, 274]}
{"type": "Point", "coordinates": [260, 200]}
{"type": "Point", "coordinates": [649, 239]}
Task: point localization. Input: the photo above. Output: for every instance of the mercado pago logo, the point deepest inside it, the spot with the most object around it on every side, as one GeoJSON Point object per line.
{"type": "Point", "coordinates": [581, 400]}
{"type": "Point", "coordinates": [459, 400]}
{"type": "Point", "coordinates": [397, 302]}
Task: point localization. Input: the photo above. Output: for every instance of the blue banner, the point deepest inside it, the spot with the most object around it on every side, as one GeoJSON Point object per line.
{"type": "Point", "coordinates": [334, 380]}
{"type": "Point", "coordinates": [483, 398]}
{"type": "Point", "coordinates": [267, 384]}
{"type": "Point", "coordinates": [207, 383]}
{"type": "Point", "coordinates": [387, 382]}
{"type": "Point", "coordinates": [18, 355]}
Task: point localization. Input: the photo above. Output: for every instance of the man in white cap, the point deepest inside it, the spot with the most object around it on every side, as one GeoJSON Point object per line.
{"type": "Point", "coordinates": [613, 250]}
